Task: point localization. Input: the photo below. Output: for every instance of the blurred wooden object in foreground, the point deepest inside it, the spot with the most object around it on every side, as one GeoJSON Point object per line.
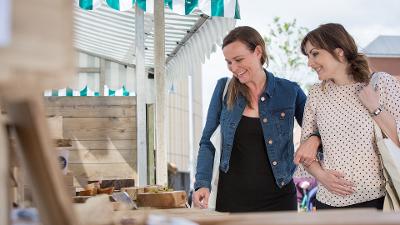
{"type": "Point", "coordinates": [39, 56]}
{"type": "Point", "coordinates": [327, 217]}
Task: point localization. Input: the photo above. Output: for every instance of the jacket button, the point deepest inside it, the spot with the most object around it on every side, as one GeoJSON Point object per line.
{"type": "Point", "coordinates": [274, 163]}
{"type": "Point", "coordinates": [265, 120]}
{"type": "Point", "coordinates": [270, 141]}
{"type": "Point", "coordinates": [282, 183]}
{"type": "Point", "coordinates": [262, 98]}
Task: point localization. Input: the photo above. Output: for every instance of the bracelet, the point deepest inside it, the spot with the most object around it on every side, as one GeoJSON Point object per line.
{"type": "Point", "coordinates": [316, 133]}
{"type": "Point", "coordinates": [376, 112]}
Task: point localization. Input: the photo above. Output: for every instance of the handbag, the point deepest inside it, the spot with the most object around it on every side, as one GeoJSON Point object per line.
{"type": "Point", "coordinates": [389, 154]}
{"type": "Point", "coordinates": [216, 140]}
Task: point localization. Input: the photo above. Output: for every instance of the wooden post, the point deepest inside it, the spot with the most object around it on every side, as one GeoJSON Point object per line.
{"type": "Point", "coordinates": [191, 129]}
{"type": "Point", "coordinates": [102, 76]}
{"type": "Point", "coordinates": [53, 202]}
{"type": "Point", "coordinates": [161, 109]}
{"type": "Point", "coordinates": [140, 98]}
{"type": "Point", "coordinates": [150, 146]}
{"type": "Point", "coordinates": [4, 175]}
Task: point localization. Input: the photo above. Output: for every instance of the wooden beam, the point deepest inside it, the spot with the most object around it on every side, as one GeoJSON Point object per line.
{"type": "Point", "coordinates": [88, 70]}
{"type": "Point", "coordinates": [4, 174]}
{"type": "Point", "coordinates": [140, 98]}
{"type": "Point", "coordinates": [53, 202]}
{"type": "Point", "coordinates": [161, 109]}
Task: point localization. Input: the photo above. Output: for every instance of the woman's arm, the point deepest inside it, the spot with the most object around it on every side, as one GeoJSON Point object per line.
{"type": "Point", "coordinates": [386, 98]}
{"type": "Point", "coordinates": [310, 142]}
{"type": "Point", "coordinates": [332, 180]}
{"type": "Point", "coordinates": [206, 152]}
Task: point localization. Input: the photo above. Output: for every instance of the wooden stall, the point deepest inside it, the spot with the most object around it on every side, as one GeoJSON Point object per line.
{"type": "Point", "coordinates": [103, 135]}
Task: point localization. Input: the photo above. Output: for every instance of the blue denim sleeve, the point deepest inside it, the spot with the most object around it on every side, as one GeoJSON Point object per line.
{"type": "Point", "coordinates": [300, 103]}
{"type": "Point", "coordinates": [205, 158]}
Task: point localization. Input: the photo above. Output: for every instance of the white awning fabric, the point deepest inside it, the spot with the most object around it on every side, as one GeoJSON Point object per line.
{"type": "Point", "coordinates": [110, 34]}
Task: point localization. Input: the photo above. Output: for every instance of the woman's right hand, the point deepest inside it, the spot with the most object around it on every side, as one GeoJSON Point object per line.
{"type": "Point", "coordinates": [200, 198]}
{"type": "Point", "coordinates": [306, 154]}
{"type": "Point", "coordinates": [335, 182]}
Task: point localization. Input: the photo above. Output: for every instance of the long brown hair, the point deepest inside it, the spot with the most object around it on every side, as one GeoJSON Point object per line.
{"type": "Point", "coordinates": [251, 38]}
{"type": "Point", "coordinates": [331, 36]}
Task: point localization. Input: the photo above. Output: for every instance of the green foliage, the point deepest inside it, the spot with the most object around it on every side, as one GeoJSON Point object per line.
{"type": "Point", "coordinates": [283, 47]}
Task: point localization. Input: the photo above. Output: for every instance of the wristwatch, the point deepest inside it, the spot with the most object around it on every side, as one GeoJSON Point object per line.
{"type": "Point", "coordinates": [376, 111]}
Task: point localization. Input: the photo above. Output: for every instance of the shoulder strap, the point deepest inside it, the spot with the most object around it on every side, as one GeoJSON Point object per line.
{"type": "Point", "coordinates": [228, 80]}
{"type": "Point", "coordinates": [374, 79]}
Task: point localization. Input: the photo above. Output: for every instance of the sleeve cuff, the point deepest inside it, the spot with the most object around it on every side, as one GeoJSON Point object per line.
{"type": "Point", "coordinates": [202, 183]}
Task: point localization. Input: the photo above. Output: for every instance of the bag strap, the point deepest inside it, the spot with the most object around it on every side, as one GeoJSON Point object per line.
{"type": "Point", "coordinates": [228, 80]}
{"type": "Point", "coordinates": [379, 137]}
{"type": "Point", "coordinates": [377, 129]}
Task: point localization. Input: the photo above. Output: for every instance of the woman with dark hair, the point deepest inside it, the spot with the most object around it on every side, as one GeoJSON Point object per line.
{"type": "Point", "coordinates": [343, 108]}
{"type": "Point", "coordinates": [256, 118]}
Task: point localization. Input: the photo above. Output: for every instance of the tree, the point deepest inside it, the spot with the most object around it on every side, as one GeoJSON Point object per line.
{"type": "Point", "coordinates": [283, 46]}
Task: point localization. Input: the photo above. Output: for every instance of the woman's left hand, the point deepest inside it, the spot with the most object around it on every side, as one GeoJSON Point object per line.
{"type": "Point", "coordinates": [369, 97]}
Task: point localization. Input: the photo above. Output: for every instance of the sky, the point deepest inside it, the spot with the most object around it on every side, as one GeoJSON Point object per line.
{"type": "Point", "coordinates": [363, 19]}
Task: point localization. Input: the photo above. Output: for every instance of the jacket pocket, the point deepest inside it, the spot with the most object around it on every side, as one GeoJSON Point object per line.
{"type": "Point", "coordinates": [284, 120]}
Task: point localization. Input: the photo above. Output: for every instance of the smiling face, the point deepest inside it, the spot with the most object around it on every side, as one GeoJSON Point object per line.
{"type": "Point", "coordinates": [324, 63]}
{"type": "Point", "coordinates": [241, 61]}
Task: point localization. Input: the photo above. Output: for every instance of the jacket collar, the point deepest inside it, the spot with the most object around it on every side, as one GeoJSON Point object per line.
{"type": "Point", "coordinates": [270, 87]}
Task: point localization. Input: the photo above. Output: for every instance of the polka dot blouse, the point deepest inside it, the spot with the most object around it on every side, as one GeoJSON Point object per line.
{"type": "Point", "coordinates": [347, 135]}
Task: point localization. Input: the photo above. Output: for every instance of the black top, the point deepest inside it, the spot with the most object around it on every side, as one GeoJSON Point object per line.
{"type": "Point", "coordinates": [249, 184]}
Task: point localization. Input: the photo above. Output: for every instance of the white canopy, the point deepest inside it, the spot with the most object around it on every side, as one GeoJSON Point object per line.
{"type": "Point", "coordinates": [110, 34]}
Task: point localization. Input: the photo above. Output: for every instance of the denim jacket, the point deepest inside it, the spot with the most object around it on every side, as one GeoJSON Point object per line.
{"type": "Point", "coordinates": [279, 104]}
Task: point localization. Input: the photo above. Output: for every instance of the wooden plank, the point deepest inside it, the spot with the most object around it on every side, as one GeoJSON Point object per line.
{"type": "Point", "coordinates": [109, 144]}
{"type": "Point", "coordinates": [89, 70]}
{"type": "Point", "coordinates": [40, 162]}
{"type": "Point", "coordinates": [325, 217]}
{"type": "Point", "coordinates": [92, 111]}
{"type": "Point", "coordinates": [99, 128]}
{"type": "Point", "coordinates": [90, 101]}
{"type": "Point", "coordinates": [102, 156]}
{"type": "Point", "coordinates": [104, 171]}
{"type": "Point", "coordinates": [4, 174]}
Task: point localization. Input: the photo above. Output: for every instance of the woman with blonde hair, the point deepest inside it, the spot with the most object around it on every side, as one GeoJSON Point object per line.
{"type": "Point", "coordinates": [256, 117]}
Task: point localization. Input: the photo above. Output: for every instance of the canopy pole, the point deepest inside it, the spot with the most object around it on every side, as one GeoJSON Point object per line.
{"type": "Point", "coordinates": [141, 133]}
{"type": "Point", "coordinates": [102, 78]}
{"type": "Point", "coordinates": [161, 109]}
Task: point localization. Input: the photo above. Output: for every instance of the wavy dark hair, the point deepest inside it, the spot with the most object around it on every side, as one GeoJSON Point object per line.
{"type": "Point", "coordinates": [251, 38]}
{"type": "Point", "coordinates": [331, 36]}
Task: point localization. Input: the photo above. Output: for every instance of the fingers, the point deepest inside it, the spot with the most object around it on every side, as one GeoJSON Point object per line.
{"type": "Point", "coordinates": [305, 159]}
{"type": "Point", "coordinates": [342, 190]}
{"type": "Point", "coordinates": [200, 198]}
{"type": "Point", "coordinates": [196, 199]}
{"type": "Point", "coordinates": [204, 204]}
{"type": "Point", "coordinates": [297, 158]}
{"type": "Point", "coordinates": [338, 185]}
